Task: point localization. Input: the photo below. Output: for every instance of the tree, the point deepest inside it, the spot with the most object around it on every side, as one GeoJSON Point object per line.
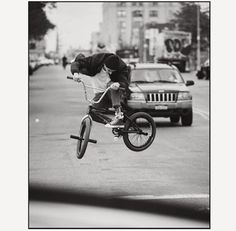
{"type": "Point", "coordinates": [38, 22]}
{"type": "Point", "coordinates": [186, 20]}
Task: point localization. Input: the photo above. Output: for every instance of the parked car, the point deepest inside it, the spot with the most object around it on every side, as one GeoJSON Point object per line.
{"type": "Point", "coordinates": [160, 90]}
{"type": "Point", "coordinates": [205, 71]}
{"type": "Point", "coordinates": [33, 65]}
{"type": "Point", "coordinates": [43, 61]}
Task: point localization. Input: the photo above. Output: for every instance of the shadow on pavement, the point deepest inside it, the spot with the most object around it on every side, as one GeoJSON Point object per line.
{"type": "Point", "coordinates": [161, 207]}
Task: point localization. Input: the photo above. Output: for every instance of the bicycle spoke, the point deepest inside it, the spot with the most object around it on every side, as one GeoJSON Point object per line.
{"type": "Point", "coordinates": [140, 132]}
{"type": "Point", "coordinates": [141, 135]}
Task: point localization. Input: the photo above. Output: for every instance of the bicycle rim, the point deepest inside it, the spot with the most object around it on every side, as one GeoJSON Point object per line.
{"type": "Point", "coordinates": [141, 132]}
{"type": "Point", "coordinates": [84, 137]}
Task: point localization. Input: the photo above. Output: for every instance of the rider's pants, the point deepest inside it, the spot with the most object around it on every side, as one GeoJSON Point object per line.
{"type": "Point", "coordinates": [111, 99]}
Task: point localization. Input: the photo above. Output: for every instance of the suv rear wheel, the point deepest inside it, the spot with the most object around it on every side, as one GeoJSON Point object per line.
{"type": "Point", "coordinates": [187, 118]}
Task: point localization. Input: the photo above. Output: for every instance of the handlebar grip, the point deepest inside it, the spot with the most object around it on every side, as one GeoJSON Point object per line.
{"type": "Point", "coordinates": [69, 77]}
{"type": "Point", "coordinates": [122, 88]}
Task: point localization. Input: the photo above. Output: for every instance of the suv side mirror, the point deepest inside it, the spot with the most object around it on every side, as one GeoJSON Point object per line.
{"type": "Point", "coordinates": [189, 83]}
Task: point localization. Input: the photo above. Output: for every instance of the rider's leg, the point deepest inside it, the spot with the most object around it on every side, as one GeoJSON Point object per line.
{"type": "Point", "coordinates": [116, 101]}
{"type": "Point", "coordinates": [105, 103]}
{"type": "Point", "coordinates": [117, 121]}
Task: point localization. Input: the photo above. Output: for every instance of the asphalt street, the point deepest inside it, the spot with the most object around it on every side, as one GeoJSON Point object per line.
{"type": "Point", "coordinates": [174, 170]}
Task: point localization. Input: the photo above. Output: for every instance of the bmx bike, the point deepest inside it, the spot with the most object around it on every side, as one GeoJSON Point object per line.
{"type": "Point", "coordinates": [138, 133]}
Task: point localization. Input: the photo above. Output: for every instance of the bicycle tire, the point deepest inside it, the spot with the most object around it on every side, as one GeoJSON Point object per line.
{"type": "Point", "coordinates": [132, 124]}
{"type": "Point", "coordinates": [84, 133]}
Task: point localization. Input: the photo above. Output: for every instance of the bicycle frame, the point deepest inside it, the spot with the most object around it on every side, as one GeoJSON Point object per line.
{"type": "Point", "coordinates": [90, 100]}
{"type": "Point", "coordinates": [97, 115]}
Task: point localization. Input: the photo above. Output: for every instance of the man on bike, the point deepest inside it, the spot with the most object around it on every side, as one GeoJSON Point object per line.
{"type": "Point", "coordinates": [105, 69]}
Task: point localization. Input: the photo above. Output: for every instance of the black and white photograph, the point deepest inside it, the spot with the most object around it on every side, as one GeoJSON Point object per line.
{"type": "Point", "coordinates": [119, 114]}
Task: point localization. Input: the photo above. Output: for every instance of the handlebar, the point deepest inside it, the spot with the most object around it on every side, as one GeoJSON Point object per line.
{"type": "Point", "coordinates": [86, 86]}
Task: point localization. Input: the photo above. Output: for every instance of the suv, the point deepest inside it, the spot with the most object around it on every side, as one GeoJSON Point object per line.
{"type": "Point", "coordinates": [160, 90]}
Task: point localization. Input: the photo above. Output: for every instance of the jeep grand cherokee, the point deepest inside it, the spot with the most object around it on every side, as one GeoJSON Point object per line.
{"type": "Point", "coordinates": [160, 90]}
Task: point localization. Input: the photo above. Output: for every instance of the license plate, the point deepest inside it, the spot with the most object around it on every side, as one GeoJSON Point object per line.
{"type": "Point", "coordinates": [161, 107]}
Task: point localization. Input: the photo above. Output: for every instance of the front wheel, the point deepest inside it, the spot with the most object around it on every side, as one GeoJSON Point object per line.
{"type": "Point", "coordinates": [84, 133]}
{"type": "Point", "coordinates": [139, 131]}
{"type": "Point", "coordinates": [174, 119]}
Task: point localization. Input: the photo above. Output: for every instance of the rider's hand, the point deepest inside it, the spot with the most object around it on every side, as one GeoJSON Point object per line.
{"type": "Point", "coordinates": [76, 77]}
{"type": "Point", "coordinates": [115, 86]}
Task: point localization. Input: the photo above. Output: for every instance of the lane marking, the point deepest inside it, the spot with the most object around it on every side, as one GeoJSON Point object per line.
{"type": "Point", "coordinates": [202, 113]}
{"type": "Point", "coordinates": [165, 197]}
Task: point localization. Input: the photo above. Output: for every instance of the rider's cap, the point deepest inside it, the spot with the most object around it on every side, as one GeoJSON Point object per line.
{"type": "Point", "coordinates": [112, 62]}
{"type": "Point", "coordinates": [78, 63]}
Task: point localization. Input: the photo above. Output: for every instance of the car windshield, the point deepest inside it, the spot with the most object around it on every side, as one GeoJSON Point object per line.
{"type": "Point", "coordinates": [156, 75]}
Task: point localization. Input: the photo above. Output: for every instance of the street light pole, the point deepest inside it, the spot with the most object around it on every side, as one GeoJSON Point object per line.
{"type": "Point", "coordinates": [144, 44]}
{"type": "Point", "coordinates": [198, 39]}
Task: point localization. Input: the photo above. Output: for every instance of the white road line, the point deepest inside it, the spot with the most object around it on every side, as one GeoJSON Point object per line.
{"type": "Point", "coordinates": [204, 116]}
{"type": "Point", "coordinates": [202, 113]}
{"type": "Point", "coordinates": [166, 197]}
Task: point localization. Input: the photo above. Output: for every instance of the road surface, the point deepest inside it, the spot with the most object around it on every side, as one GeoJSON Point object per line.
{"type": "Point", "coordinates": [175, 169]}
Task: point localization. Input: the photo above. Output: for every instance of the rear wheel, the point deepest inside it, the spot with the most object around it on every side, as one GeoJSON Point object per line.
{"type": "Point", "coordinates": [84, 133]}
{"type": "Point", "coordinates": [187, 119]}
{"type": "Point", "coordinates": [139, 131]}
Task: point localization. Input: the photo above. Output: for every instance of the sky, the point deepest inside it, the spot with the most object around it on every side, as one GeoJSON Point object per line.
{"type": "Point", "coordinates": [75, 22]}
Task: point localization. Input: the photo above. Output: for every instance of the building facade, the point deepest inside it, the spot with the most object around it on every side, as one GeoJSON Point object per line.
{"type": "Point", "coordinates": [124, 22]}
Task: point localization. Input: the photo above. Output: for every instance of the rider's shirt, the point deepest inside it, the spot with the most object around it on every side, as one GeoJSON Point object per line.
{"type": "Point", "coordinates": [100, 80]}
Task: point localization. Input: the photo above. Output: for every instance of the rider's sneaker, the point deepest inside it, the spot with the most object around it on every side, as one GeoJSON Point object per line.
{"type": "Point", "coordinates": [115, 123]}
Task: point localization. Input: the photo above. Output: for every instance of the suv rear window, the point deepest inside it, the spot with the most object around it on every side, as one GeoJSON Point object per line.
{"type": "Point", "coordinates": [156, 75]}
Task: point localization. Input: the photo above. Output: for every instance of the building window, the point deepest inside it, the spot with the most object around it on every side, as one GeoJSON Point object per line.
{"type": "Point", "coordinates": [154, 3]}
{"type": "Point", "coordinates": [137, 13]}
{"type": "Point", "coordinates": [171, 14]}
{"type": "Point", "coordinates": [136, 24]}
{"type": "Point", "coordinates": [122, 31]}
{"type": "Point", "coordinates": [121, 13]}
{"type": "Point", "coordinates": [122, 24]}
{"type": "Point", "coordinates": [121, 4]}
{"type": "Point", "coordinates": [153, 13]}
{"type": "Point", "coordinates": [137, 3]}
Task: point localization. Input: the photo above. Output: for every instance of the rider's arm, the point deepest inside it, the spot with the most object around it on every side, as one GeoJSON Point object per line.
{"type": "Point", "coordinates": [76, 77]}
{"type": "Point", "coordinates": [123, 80]}
{"type": "Point", "coordinates": [74, 68]}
